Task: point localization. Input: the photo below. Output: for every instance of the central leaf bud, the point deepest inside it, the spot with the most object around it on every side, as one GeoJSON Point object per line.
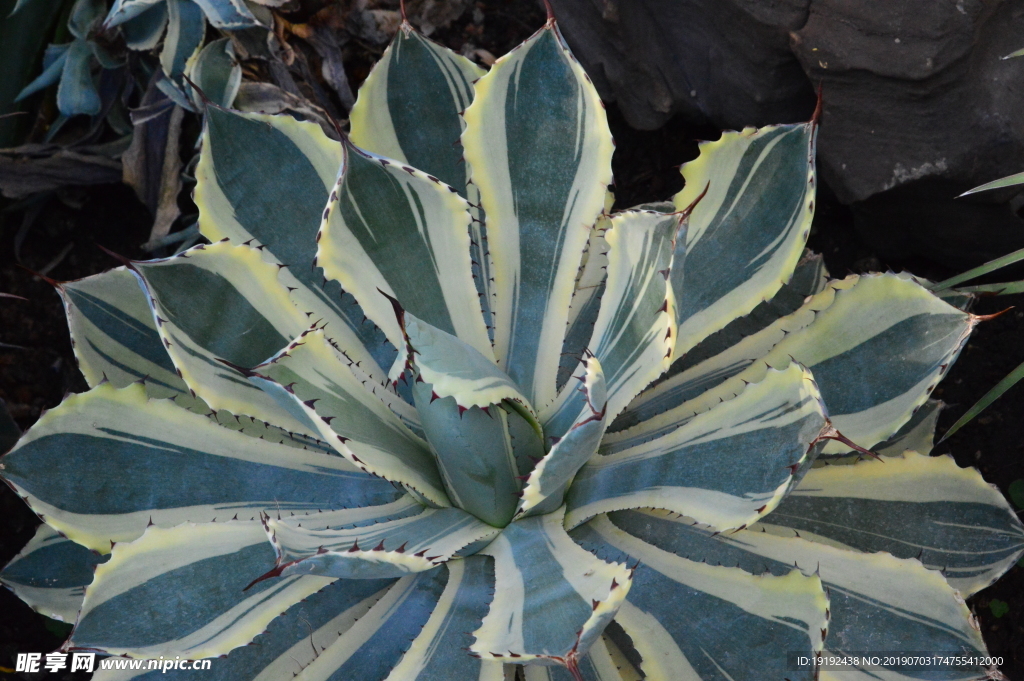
{"type": "Point", "coordinates": [483, 453]}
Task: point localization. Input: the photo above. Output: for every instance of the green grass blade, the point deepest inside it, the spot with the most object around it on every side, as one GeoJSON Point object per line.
{"type": "Point", "coordinates": [1003, 289]}
{"type": "Point", "coordinates": [1008, 181]}
{"type": "Point", "coordinates": [990, 266]}
{"type": "Point", "coordinates": [991, 396]}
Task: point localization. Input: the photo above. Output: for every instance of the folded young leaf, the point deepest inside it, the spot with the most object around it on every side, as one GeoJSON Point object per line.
{"type": "Point", "coordinates": [726, 467]}
{"type": "Point", "coordinates": [314, 380]}
{"type": "Point", "coordinates": [539, 149]}
{"type": "Point", "coordinates": [50, 574]}
{"type": "Point", "coordinates": [747, 234]}
{"type": "Point", "coordinates": [546, 484]}
{"type": "Point", "coordinates": [633, 336]}
{"type": "Point", "coordinates": [392, 540]}
{"type": "Point", "coordinates": [729, 351]}
{"type": "Point", "coordinates": [552, 599]}
{"type": "Point", "coordinates": [64, 464]}
{"type": "Point", "coordinates": [410, 109]}
{"type": "Point", "coordinates": [912, 506]}
{"type": "Point", "coordinates": [180, 591]}
{"type": "Point", "coordinates": [586, 302]}
{"type": "Point", "coordinates": [114, 336]}
{"type": "Point", "coordinates": [391, 229]}
{"type": "Point", "coordinates": [877, 345]}
{"type": "Point", "coordinates": [455, 369]}
{"type": "Point", "coordinates": [695, 620]}
{"type": "Point", "coordinates": [223, 302]}
{"type": "Point", "coordinates": [281, 213]}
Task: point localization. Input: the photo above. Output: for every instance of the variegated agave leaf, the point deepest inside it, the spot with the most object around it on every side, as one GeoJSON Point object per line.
{"type": "Point", "coordinates": [438, 407]}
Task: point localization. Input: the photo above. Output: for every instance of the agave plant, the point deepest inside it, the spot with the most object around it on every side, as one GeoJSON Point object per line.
{"type": "Point", "coordinates": [397, 420]}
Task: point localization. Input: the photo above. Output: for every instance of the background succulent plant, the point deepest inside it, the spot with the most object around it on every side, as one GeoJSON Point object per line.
{"type": "Point", "coordinates": [374, 423]}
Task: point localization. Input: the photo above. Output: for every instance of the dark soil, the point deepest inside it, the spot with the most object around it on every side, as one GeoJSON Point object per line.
{"type": "Point", "coordinates": [35, 375]}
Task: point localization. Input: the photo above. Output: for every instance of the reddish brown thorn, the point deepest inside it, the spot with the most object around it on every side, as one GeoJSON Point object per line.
{"type": "Point", "coordinates": [421, 554]}
{"type": "Point", "coordinates": [380, 546]}
{"type": "Point", "coordinates": [550, 11]}
{"type": "Point", "coordinates": [987, 317]}
{"type": "Point", "coordinates": [830, 433]}
{"type": "Point", "coordinates": [401, 549]}
{"type": "Point", "coordinates": [240, 369]}
{"type": "Point", "coordinates": [355, 547]}
{"type": "Point", "coordinates": [276, 572]}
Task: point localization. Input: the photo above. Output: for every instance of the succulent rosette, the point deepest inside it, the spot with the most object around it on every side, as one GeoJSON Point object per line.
{"type": "Point", "coordinates": [424, 408]}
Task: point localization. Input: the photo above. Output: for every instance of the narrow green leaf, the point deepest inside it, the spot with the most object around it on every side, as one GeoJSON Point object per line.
{"type": "Point", "coordinates": [990, 266]}
{"type": "Point", "coordinates": [1008, 181]}
{"type": "Point", "coordinates": [56, 55]}
{"type": "Point", "coordinates": [1006, 289]}
{"type": "Point", "coordinates": [988, 398]}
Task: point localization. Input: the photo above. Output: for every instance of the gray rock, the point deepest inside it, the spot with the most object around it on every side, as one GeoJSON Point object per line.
{"type": "Point", "coordinates": [721, 62]}
{"type": "Point", "coordinates": [915, 96]}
